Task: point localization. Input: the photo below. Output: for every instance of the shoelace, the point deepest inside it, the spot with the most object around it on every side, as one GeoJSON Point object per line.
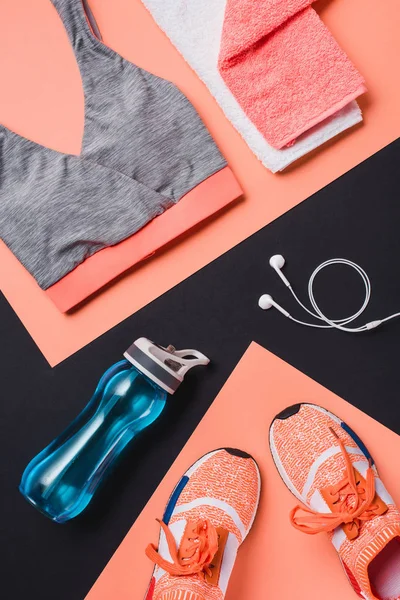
{"type": "Point", "coordinates": [354, 503]}
{"type": "Point", "coordinates": [195, 553]}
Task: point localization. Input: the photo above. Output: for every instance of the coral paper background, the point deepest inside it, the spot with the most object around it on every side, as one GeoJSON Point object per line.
{"type": "Point", "coordinates": [41, 98]}
{"type": "Point", "coordinates": [276, 561]}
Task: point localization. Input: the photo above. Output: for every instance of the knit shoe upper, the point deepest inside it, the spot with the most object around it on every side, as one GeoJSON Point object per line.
{"type": "Point", "coordinates": [208, 516]}
{"type": "Point", "coordinates": [330, 471]}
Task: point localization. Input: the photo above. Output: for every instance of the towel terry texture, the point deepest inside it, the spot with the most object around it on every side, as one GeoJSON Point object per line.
{"type": "Point", "coordinates": [284, 67]}
{"type": "Point", "coordinates": [195, 28]}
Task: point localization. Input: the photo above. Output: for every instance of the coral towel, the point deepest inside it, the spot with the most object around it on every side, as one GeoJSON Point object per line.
{"type": "Point", "coordinates": [284, 67]}
{"type": "Point", "coordinates": [195, 27]}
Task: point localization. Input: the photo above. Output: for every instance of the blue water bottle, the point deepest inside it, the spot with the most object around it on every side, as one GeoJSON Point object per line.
{"type": "Point", "coordinates": [62, 479]}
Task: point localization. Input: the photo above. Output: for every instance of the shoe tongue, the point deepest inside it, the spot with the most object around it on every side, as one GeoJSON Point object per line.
{"type": "Point", "coordinates": [179, 594]}
{"type": "Point", "coordinates": [379, 541]}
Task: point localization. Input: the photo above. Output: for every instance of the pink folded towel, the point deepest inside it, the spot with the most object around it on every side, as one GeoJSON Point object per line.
{"type": "Point", "coordinates": [284, 67]}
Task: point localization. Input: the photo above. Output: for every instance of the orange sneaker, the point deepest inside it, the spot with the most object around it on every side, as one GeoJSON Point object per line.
{"type": "Point", "coordinates": [208, 516]}
{"type": "Point", "coordinates": [330, 471]}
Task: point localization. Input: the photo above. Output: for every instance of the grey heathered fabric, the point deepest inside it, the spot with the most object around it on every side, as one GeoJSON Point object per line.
{"type": "Point", "coordinates": [57, 209]}
{"type": "Point", "coordinates": [135, 122]}
{"type": "Point", "coordinates": [144, 147]}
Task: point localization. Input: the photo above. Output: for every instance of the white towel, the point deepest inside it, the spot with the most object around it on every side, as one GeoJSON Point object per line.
{"type": "Point", "coordinates": [195, 28]}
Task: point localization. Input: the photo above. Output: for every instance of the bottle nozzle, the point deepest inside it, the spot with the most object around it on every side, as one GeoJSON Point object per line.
{"type": "Point", "coordinates": [166, 366]}
{"type": "Point", "coordinates": [194, 359]}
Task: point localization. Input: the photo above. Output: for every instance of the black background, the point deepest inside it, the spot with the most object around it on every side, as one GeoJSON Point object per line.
{"type": "Point", "coordinates": [356, 217]}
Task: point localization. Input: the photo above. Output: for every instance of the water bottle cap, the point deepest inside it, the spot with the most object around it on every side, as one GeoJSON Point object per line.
{"type": "Point", "coordinates": [165, 366]}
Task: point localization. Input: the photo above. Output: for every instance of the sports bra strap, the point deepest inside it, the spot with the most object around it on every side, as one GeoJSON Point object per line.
{"type": "Point", "coordinates": [78, 20]}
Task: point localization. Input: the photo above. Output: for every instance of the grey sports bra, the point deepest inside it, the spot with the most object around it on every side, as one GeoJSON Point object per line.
{"type": "Point", "coordinates": [144, 147]}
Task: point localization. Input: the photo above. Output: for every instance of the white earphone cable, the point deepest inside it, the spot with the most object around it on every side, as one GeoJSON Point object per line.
{"type": "Point", "coordinates": [338, 323]}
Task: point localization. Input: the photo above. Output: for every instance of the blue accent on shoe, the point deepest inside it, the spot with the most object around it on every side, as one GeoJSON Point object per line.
{"type": "Point", "coordinates": [174, 499]}
{"type": "Point", "coordinates": [357, 440]}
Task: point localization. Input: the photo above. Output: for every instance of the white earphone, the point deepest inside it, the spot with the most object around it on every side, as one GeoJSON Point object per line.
{"type": "Point", "coordinates": [277, 262]}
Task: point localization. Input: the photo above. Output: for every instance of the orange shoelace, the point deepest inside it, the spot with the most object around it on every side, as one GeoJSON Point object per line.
{"type": "Point", "coordinates": [195, 553]}
{"type": "Point", "coordinates": [353, 503]}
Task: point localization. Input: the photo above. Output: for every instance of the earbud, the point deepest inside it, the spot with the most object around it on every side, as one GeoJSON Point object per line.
{"type": "Point", "coordinates": [277, 262]}
{"type": "Point", "coordinates": [266, 302]}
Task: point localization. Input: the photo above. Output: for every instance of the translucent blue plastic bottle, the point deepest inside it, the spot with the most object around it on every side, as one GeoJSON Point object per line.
{"type": "Point", "coordinates": [62, 479]}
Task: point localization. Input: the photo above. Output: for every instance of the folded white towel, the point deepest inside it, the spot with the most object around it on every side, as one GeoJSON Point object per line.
{"type": "Point", "coordinates": [195, 28]}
